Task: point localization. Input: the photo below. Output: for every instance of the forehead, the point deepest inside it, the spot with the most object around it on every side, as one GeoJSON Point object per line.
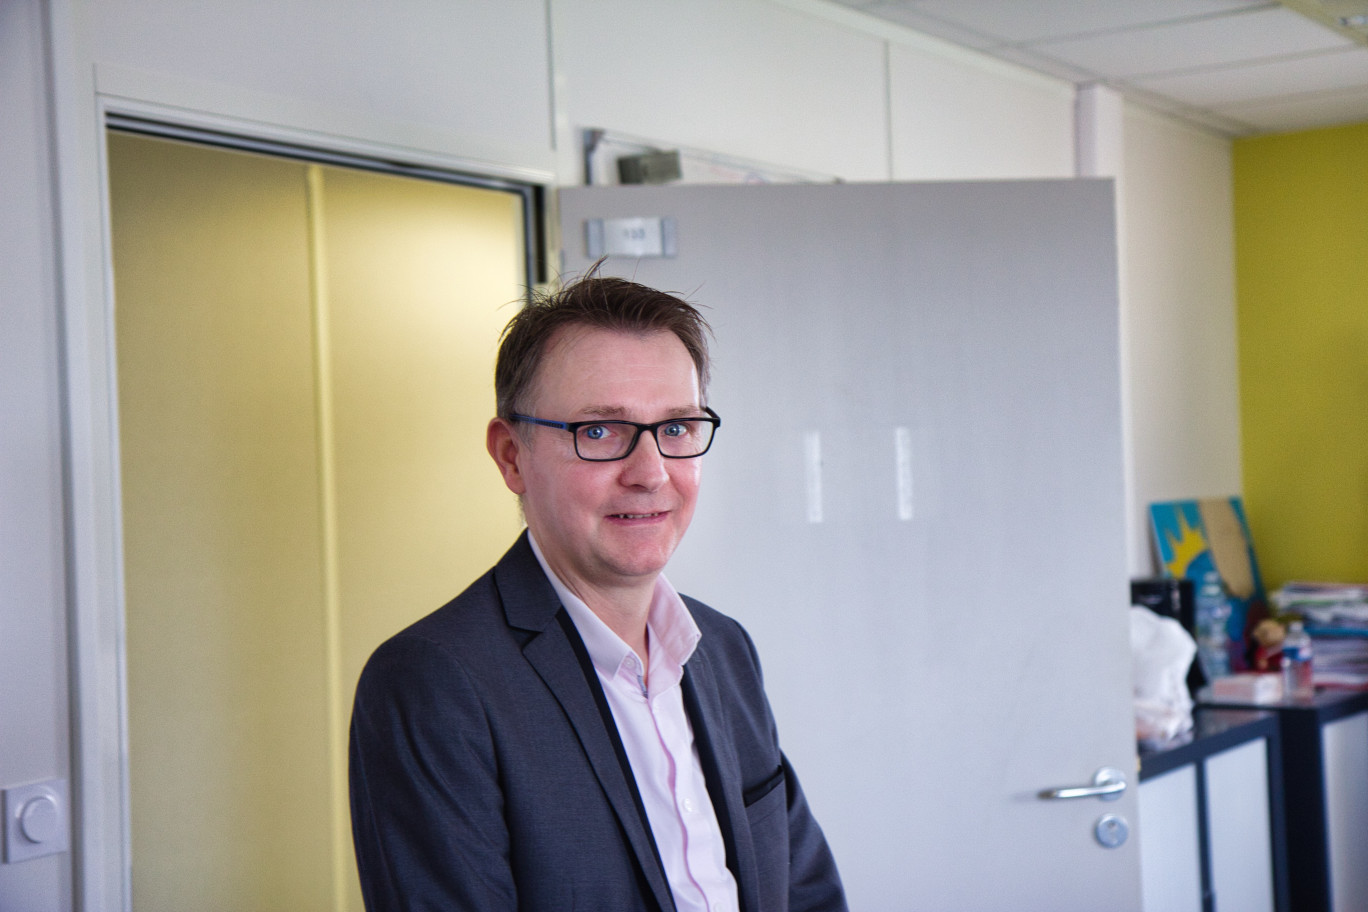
{"type": "Point", "coordinates": [591, 367]}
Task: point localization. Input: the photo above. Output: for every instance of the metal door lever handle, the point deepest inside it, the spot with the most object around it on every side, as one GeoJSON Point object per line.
{"type": "Point", "coordinates": [1107, 785]}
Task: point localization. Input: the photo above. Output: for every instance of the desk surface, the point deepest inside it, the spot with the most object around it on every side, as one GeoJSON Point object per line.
{"type": "Point", "coordinates": [1214, 730]}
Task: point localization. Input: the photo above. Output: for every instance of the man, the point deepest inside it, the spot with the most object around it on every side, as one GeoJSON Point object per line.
{"type": "Point", "coordinates": [569, 732]}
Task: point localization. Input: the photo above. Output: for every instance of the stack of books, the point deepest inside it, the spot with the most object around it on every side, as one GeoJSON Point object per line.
{"type": "Point", "coordinates": [1336, 617]}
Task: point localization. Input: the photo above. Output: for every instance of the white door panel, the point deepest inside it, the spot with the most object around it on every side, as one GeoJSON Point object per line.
{"type": "Point", "coordinates": [951, 637]}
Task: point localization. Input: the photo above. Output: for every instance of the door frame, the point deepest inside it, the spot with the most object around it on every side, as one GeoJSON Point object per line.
{"type": "Point", "coordinates": [532, 196]}
{"type": "Point", "coordinates": [100, 813]}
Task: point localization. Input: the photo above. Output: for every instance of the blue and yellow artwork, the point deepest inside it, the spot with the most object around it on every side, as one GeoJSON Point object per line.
{"type": "Point", "coordinates": [1197, 537]}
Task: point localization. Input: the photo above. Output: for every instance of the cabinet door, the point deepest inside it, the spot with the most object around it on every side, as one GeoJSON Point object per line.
{"type": "Point", "coordinates": [1346, 807]}
{"type": "Point", "coordinates": [1240, 828]}
{"type": "Point", "coordinates": [1170, 851]}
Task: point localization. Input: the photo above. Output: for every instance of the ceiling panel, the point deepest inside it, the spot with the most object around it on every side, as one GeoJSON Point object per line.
{"type": "Point", "coordinates": [1346, 68]}
{"type": "Point", "coordinates": [1012, 21]}
{"type": "Point", "coordinates": [1050, 66]}
{"type": "Point", "coordinates": [1205, 43]}
{"type": "Point", "coordinates": [1304, 112]}
{"type": "Point", "coordinates": [1237, 67]}
{"type": "Point", "coordinates": [911, 15]}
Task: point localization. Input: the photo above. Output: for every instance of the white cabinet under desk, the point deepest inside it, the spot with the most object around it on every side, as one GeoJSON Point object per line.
{"type": "Point", "coordinates": [1324, 763]}
{"type": "Point", "coordinates": [1212, 818]}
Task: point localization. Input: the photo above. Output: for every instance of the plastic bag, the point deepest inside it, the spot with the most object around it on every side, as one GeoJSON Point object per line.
{"type": "Point", "coordinates": [1161, 653]}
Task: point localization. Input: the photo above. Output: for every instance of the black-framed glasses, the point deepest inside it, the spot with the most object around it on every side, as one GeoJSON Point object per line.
{"type": "Point", "coordinates": [606, 441]}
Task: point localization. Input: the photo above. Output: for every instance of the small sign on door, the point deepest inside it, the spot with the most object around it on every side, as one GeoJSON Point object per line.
{"type": "Point", "coordinates": [630, 237]}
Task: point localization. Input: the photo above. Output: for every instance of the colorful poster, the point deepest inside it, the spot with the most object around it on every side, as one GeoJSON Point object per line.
{"type": "Point", "coordinates": [1197, 537]}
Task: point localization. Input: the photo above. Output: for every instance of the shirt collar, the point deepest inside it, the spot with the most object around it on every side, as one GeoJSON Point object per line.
{"type": "Point", "coordinates": [670, 628]}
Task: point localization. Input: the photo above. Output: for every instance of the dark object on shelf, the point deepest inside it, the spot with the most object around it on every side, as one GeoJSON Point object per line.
{"type": "Point", "coordinates": [650, 168]}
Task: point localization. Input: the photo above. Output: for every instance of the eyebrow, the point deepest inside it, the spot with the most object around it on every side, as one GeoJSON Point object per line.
{"type": "Point", "coordinates": [617, 412]}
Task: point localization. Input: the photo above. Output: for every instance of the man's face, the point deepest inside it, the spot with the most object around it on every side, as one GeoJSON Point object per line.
{"type": "Point", "coordinates": [604, 525]}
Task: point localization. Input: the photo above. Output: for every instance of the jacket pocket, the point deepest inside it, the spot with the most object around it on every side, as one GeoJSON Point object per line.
{"type": "Point", "coordinates": [759, 791]}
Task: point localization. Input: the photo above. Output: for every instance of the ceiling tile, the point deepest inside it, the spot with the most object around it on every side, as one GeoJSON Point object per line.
{"type": "Point", "coordinates": [1340, 69]}
{"type": "Point", "coordinates": [1205, 117]}
{"type": "Point", "coordinates": [1237, 67]}
{"type": "Point", "coordinates": [1305, 112]}
{"type": "Point", "coordinates": [908, 14]}
{"type": "Point", "coordinates": [1014, 21]}
{"type": "Point", "coordinates": [1042, 64]}
{"type": "Point", "coordinates": [1223, 40]}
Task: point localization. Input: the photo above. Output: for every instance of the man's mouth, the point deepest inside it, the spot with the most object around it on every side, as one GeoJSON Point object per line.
{"type": "Point", "coordinates": [634, 515]}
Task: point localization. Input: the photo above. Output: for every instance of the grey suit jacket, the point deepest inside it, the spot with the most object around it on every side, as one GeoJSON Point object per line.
{"type": "Point", "coordinates": [486, 774]}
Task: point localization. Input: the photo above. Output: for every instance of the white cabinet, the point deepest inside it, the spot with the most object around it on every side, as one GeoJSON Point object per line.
{"type": "Point", "coordinates": [1240, 828]}
{"type": "Point", "coordinates": [1170, 850]}
{"type": "Point", "coordinates": [1323, 766]}
{"type": "Point", "coordinates": [1345, 746]}
{"type": "Point", "coordinates": [1211, 819]}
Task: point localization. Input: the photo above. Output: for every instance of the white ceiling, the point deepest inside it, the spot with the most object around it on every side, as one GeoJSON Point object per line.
{"type": "Point", "coordinates": [1240, 67]}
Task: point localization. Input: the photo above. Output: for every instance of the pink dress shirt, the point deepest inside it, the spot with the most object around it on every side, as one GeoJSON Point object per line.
{"type": "Point", "coordinates": [655, 732]}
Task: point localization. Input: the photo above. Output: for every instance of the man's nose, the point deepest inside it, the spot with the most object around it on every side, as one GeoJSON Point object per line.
{"type": "Point", "coordinates": [644, 466]}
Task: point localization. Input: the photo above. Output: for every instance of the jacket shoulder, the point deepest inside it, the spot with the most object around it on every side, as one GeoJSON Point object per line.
{"type": "Point", "coordinates": [514, 593]}
{"type": "Point", "coordinates": [721, 633]}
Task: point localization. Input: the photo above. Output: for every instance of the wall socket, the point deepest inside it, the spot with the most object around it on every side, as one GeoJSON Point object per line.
{"type": "Point", "coordinates": [36, 820]}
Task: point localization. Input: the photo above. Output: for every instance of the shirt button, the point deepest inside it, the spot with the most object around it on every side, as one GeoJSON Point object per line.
{"type": "Point", "coordinates": [688, 805]}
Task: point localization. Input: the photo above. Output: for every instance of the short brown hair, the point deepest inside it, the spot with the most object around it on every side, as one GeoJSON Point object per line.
{"type": "Point", "coordinates": [600, 302]}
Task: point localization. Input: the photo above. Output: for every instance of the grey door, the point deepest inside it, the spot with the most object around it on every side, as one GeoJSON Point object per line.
{"type": "Point", "coordinates": [915, 505]}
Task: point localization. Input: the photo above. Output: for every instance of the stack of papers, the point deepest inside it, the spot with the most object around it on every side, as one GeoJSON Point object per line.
{"type": "Point", "coordinates": [1336, 617]}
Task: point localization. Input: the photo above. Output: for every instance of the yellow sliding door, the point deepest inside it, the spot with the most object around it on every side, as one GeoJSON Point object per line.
{"type": "Point", "coordinates": [305, 358]}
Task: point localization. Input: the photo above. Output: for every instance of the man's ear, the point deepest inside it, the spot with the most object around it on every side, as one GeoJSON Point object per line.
{"type": "Point", "coordinates": [506, 448]}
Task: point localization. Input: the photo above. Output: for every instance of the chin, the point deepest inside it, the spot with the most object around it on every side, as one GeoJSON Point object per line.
{"type": "Point", "coordinates": [641, 564]}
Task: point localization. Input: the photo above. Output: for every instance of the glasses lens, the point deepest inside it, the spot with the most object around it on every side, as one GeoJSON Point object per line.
{"type": "Point", "coordinates": [685, 437]}
{"type": "Point", "coordinates": [609, 440]}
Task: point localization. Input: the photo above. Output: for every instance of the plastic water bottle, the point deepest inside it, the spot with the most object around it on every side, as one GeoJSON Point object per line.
{"type": "Point", "coordinates": [1298, 683]}
{"type": "Point", "coordinates": [1213, 642]}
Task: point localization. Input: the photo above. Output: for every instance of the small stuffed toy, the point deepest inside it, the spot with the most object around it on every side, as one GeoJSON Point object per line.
{"type": "Point", "coordinates": [1268, 641]}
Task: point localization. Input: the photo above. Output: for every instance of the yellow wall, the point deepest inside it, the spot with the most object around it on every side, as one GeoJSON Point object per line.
{"type": "Point", "coordinates": [1301, 229]}
{"type": "Point", "coordinates": [305, 362]}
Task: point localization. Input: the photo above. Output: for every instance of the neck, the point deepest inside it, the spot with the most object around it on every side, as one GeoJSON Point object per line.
{"type": "Point", "coordinates": [624, 611]}
{"type": "Point", "coordinates": [623, 605]}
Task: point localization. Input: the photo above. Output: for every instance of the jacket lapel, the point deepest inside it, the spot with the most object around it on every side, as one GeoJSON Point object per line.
{"type": "Point", "coordinates": [722, 770]}
{"type": "Point", "coordinates": [531, 604]}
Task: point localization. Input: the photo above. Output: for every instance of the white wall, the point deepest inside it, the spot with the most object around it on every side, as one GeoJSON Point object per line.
{"type": "Point", "coordinates": [803, 85]}
{"type": "Point", "coordinates": [756, 81]}
{"type": "Point", "coordinates": [1178, 320]}
{"type": "Point", "coordinates": [957, 116]}
{"type": "Point", "coordinates": [502, 88]}
{"type": "Point", "coordinates": [454, 79]}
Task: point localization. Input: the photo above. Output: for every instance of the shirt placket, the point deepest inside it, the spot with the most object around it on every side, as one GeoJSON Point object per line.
{"type": "Point", "coordinates": [676, 752]}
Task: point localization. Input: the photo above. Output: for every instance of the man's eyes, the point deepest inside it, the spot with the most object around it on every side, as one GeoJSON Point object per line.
{"type": "Point", "coordinates": [603, 431]}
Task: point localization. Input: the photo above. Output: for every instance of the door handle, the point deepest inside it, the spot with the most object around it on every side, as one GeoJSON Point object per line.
{"type": "Point", "coordinates": [1107, 784]}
